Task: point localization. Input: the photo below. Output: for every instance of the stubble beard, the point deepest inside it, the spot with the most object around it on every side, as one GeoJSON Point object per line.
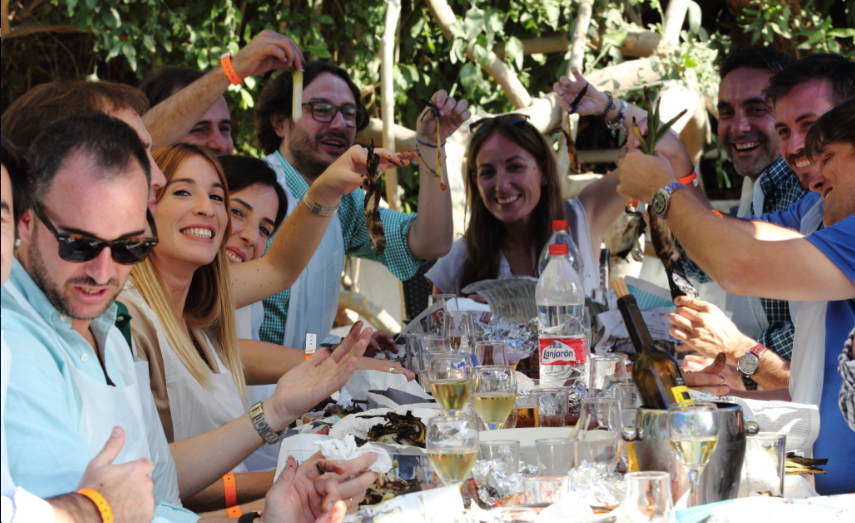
{"type": "Point", "coordinates": [39, 273]}
{"type": "Point", "coordinates": [752, 168]}
{"type": "Point", "coordinates": [305, 153]}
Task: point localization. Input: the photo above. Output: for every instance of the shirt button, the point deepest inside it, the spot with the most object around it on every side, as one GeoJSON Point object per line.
{"type": "Point", "coordinates": [63, 318]}
{"type": "Point", "coordinates": [84, 357]}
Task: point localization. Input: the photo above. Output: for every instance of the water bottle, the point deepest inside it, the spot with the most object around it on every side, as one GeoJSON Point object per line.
{"type": "Point", "coordinates": [560, 299]}
{"type": "Point", "coordinates": [561, 235]}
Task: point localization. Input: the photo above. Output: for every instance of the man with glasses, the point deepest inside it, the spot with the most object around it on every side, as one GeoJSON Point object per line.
{"type": "Point", "coordinates": [300, 150]}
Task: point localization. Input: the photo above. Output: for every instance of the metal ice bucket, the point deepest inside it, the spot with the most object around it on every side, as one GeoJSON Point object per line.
{"type": "Point", "coordinates": [650, 449]}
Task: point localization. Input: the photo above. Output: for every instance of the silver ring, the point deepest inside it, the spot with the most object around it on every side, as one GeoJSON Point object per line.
{"type": "Point", "coordinates": [351, 502]}
{"type": "Point", "coordinates": [392, 370]}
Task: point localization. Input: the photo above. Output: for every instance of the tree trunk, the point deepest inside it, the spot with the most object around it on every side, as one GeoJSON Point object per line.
{"type": "Point", "coordinates": [675, 14]}
{"type": "Point", "coordinates": [387, 96]}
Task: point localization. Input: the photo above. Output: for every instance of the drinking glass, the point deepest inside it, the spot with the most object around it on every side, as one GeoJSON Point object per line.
{"type": "Point", "coordinates": [693, 430]}
{"type": "Point", "coordinates": [450, 380]}
{"type": "Point", "coordinates": [763, 469]}
{"type": "Point", "coordinates": [432, 344]}
{"type": "Point", "coordinates": [552, 406]}
{"type": "Point", "coordinates": [647, 497]}
{"type": "Point", "coordinates": [601, 413]}
{"type": "Point", "coordinates": [545, 489]}
{"type": "Point", "coordinates": [626, 394]}
{"type": "Point", "coordinates": [459, 330]}
{"type": "Point", "coordinates": [413, 343]}
{"type": "Point", "coordinates": [436, 319]}
{"type": "Point", "coordinates": [516, 353]}
{"type": "Point", "coordinates": [598, 447]}
{"type": "Point", "coordinates": [605, 370]}
{"type": "Point", "coordinates": [506, 451]}
{"type": "Point", "coordinates": [494, 391]}
{"type": "Point", "coordinates": [525, 413]}
{"type": "Point", "coordinates": [452, 445]}
{"type": "Point", "coordinates": [556, 456]}
{"type": "Point", "coordinates": [490, 353]}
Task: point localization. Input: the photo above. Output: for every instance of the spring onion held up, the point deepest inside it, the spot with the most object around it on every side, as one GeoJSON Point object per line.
{"type": "Point", "coordinates": [297, 97]}
{"type": "Point", "coordinates": [435, 111]}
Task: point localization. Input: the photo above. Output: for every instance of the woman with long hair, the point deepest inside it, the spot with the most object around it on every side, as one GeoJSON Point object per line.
{"type": "Point", "coordinates": [514, 193]}
{"type": "Point", "coordinates": [182, 303]}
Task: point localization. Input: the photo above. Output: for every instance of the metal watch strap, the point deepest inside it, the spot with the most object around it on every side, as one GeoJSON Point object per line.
{"type": "Point", "coordinates": [256, 414]}
{"type": "Point", "coordinates": [319, 210]}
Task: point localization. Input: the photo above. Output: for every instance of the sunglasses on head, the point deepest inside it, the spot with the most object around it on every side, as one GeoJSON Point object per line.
{"type": "Point", "coordinates": [81, 248]}
{"type": "Point", "coordinates": [508, 119]}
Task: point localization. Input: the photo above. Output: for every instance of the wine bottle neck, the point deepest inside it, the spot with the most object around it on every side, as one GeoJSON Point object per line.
{"type": "Point", "coordinates": [635, 326]}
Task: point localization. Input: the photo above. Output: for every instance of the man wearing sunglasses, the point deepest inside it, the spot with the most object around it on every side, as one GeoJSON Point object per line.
{"type": "Point", "coordinates": [300, 150]}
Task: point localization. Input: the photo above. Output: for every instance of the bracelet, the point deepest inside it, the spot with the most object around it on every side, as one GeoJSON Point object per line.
{"type": "Point", "coordinates": [228, 68]}
{"type": "Point", "coordinates": [230, 490]}
{"type": "Point", "coordinates": [256, 414]}
{"type": "Point", "coordinates": [610, 105]}
{"type": "Point", "coordinates": [100, 503]}
{"type": "Point", "coordinates": [717, 213]}
{"type": "Point", "coordinates": [424, 163]}
{"type": "Point", "coordinates": [616, 127]}
{"type": "Point", "coordinates": [432, 146]}
{"type": "Point", "coordinates": [249, 517]}
{"type": "Point", "coordinates": [691, 178]}
{"type": "Point", "coordinates": [319, 210]}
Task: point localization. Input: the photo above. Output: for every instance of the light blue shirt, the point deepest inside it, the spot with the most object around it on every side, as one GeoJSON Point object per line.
{"type": "Point", "coordinates": [46, 454]}
{"type": "Point", "coordinates": [792, 217]}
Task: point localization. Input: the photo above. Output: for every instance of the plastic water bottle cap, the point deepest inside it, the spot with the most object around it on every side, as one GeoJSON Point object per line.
{"type": "Point", "coordinates": [560, 225]}
{"type": "Point", "coordinates": [558, 249]}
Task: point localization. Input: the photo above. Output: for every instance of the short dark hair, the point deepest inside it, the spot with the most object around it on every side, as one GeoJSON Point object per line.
{"type": "Point", "coordinates": [839, 71]}
{"type": "Point", "coordinates": [835, 126]}
{"type": "Point", "coordinates": [765, 58]}
{"type": "Point", "coordinates": [16, 165]}
{"type": "Point", "coordinates": [243, 171]}
{"type": "Point", "coordinates": [163, 82]}
{"type": "Point", "coordinates": [46, 103]}
{"type": "Point", "coordinates": [111, 142]}
{"type": "Point", "coordinates": [275, 100]}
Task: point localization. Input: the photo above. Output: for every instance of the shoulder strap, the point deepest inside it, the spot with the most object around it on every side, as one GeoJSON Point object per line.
{"type": "Point", "coordinates": [123, 323]}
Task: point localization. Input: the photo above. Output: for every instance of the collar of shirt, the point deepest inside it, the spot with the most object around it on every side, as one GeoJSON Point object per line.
{"type": "Point", "coordinates": [293, 179]}
{"type": "Point", "coordinates": [75, 345]}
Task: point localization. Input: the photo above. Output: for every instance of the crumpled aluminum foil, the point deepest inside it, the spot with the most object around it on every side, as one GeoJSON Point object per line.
{"type": "Point", "coordinates": [520, 337]}
{"type": "Point", "coordinates": [597, 484]}
{"type": "Point", "coordinates": [495, 485]}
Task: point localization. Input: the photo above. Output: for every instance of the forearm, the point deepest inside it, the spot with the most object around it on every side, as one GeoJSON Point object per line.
{"type": "Point", "coordinates": [432, 232]}
{"type": "Point", "coordinates": [761, 230]}
{"type": "Point", "coordinates": [264, 363]}
{"type": "Point", "coordinates": [74, 508]}
{"type": "Point", "coordinates": [782, 394]}
{"type": "Point", "coordinates": [603, 205]}
{"type": "Point", "coordinates": [172, 119]}
{"type": "Point", "coordinates": [203, 459]}
{"type": "Point", "coordinates": [250, 486]}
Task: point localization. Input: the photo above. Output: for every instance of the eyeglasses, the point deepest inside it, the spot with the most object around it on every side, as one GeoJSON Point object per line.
{"type": "Point", "coordinates": [508, 119]}
{"type": "Point", "coordinates": [79, 248]}
{"type": "Point", "coordinates": [325, 112]}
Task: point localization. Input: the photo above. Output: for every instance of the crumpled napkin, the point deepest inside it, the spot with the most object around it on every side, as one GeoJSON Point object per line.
{"type": "Point", "coordinates": [343, 450]}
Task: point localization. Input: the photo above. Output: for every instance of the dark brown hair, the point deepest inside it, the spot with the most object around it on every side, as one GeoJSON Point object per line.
{"type": "Point", "coordinates": [765, 58]}
{"type": "Point", "coordinates": [243, 171]}
{"type": "Point", "coordinates": [46, 103]}
{"type": "Point", "coordinates": [835, 126]}
{"type": "Point", "coordinates": [839, 71]}
{"type": "Point", "coordinates": [163, 82]}
{"type": "Point", "coordinates": [483, 236]}
{"type": "Point", "coordinates": [18, 168]}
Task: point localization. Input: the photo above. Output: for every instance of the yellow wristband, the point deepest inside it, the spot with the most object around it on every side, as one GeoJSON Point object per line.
{"type": "Point", "coordinates": [228, 68]}
{"type": "Point", "coordinates": [100, 503]}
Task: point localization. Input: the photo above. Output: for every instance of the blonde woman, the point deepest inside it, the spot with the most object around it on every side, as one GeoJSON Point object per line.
{"type": "Point", "coordinates": [182, 305]}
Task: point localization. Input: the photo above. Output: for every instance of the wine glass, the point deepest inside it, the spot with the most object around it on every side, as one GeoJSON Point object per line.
{"type": "Point", "coordinates": [494, 391]}
{"type": "Point", "coordinates": [693, 430]}
{"type": "Point", "coordinates": [459, 327]}
{"type": "Point", "coordinates": [450, 380]}
{"type": "Point", "coordinates": [436, 319]}
{"type": "Point", "coordinates": [490, 353]}
{"type": "Point", "coordinates": [452, 445]}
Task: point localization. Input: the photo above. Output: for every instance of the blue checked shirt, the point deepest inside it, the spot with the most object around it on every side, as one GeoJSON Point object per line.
{"type": "Point", "coordinates": [781, 188]}
{"type": "Point", "coordinates": [397, 257]}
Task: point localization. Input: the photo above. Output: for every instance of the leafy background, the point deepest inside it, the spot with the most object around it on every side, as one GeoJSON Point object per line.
{"type": "Point", "coordinates": [121, 40]}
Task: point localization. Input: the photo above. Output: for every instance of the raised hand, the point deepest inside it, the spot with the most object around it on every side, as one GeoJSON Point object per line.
{"type": "Point", "coordinates": [126, 487]}
{"type": "Point", "coordinates": [267, 51]}
{"type": "Point", "coordinates": [452, 114]}
{"type": "Point", "coordinates": [593, 102]}
{"type": "Point", "coordinates": [346, 173]}
{"type": "Point", "coordinates": [641, 175]}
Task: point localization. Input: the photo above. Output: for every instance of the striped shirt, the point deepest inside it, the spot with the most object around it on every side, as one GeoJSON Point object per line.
{"type": "Point", "coordinates": [847, 390]}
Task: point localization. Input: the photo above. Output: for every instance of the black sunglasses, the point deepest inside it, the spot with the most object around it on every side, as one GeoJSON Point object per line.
{"type": "Point", "coordinates": [80, 248]}
{"type": "Point", "coordinates": [508, 119]}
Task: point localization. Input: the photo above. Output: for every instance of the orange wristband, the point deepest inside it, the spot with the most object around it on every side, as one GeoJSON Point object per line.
{"type": "Point", "coordinates": [100, 503]}
{"type": "Point", "coordinates": [720, 217]}
{"type": "Point", "coordinates": [228, 68]}
{"type": "Point", "coordinates": [692, 178]}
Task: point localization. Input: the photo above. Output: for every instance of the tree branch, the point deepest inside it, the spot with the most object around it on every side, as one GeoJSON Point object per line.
{"type": "Point", "coordinates": [580, 35]}
{"type": "Point", "coordinates": [387, 96]}
{"type": "Point", "coordinates": [29, 29]}
{"type": "Point", "coordinates": [405, 139]}
{"type": "Point", "coordinates": [675, 14]}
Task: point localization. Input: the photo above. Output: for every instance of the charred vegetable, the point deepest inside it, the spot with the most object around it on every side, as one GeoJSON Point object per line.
{"type": "Point", "coordinates": [795, 465]}
{"type": "Point", "coordinates": [435, 111]}
{"type": "Point", "coordinates": [398, 430]}
{"type": "Point", "coordinates": [371, 185]}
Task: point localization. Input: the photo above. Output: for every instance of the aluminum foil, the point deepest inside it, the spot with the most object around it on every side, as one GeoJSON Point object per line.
{"type": "Point", "coordinates": [520, 337]}
{"type": "Point", "coordinates": [597, 484]}
{"type": "Point", "coordinates": [495, 486]}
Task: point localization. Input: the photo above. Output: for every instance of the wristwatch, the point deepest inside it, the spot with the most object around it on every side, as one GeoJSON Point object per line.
{"type": "Point", "coordinates": [256, 413]}
{"type": "Point", "coordinates": [663, 197]}
{"type": "Point", "coordinates": [750, 362]}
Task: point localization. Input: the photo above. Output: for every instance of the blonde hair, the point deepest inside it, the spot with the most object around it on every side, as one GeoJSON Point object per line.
{"type": "Point", "coordinates": [210, 304]}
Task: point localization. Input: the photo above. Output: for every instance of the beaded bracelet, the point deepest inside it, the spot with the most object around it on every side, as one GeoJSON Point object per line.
{"type": "Point", "coordinates": [615, 127]}
{"type": "Point", "coordinates": [424, 163]}
{"type": "Point", "coordinates": [432, 146]}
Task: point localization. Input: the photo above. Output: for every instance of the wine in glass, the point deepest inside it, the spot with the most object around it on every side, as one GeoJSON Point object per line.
{"type": "Point", "coordinates": [452, 445]}
{"type": "Point", "coordinates": [450, 380]}
{"type": "Point", "coordinates": [459, 329]}
{"type": "Point", "coordinates": [693, 430]}
{"type": "Point", "coordinates": [494, 391]}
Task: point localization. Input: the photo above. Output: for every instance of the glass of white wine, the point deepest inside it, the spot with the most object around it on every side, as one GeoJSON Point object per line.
{"type": "Point", "coordinates": [452, 445]}
{"type": "Point", "coordinates": [450, 376]}
{"type": "Point", "coordinates": [693, 430]}
{"type": "Point", "coordinates": [494, 391]}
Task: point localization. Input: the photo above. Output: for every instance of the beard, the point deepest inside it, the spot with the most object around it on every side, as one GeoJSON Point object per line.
{"type": "Point", "coordinates": [767, 154]}
{"type": "Point", "coordinates": [61, 301]}
{"type": "Point", "coordinates": [307, 158]}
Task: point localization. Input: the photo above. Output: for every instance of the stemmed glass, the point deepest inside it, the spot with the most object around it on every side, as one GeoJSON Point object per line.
{"type": "Point", "coordinates": [436, 319]}
{"type": "Point", "coordinates": [490, 353]}
{"type": "Point", "coordinates": [450, 380]}
{"type": "Point", "coordinates": [459, 329]}
{"type": "Point", "coordinates": [693, 430]}
{"type": "Point", "coordinates": [452, 445]}
{"type": "Point", "coordinates": [494, 391]}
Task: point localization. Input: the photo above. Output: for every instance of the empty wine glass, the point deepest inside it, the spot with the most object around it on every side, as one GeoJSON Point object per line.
{"type": "Point", "coordinates": [436, 319]}
{"type": "Point", "coordinates": [693, 430]}
{"type": "Point", "coordinates": [450, 380]}
{"type": "Point", "coordinates": [452, 445]}
{"type": "Point", "coordinates": [490, 353]}
{"type": "Point", "coordinates": [648, 497]}
{"type": "Point", "coordinates": [459, 329]}
{"type": "Point", "coordinates": [494, 390]}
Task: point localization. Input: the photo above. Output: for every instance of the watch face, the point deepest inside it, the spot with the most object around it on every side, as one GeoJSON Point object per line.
{"type": "Point", "coordinates": [660, 202]}
{"type": "Point", "coordinates": [748, 364]}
